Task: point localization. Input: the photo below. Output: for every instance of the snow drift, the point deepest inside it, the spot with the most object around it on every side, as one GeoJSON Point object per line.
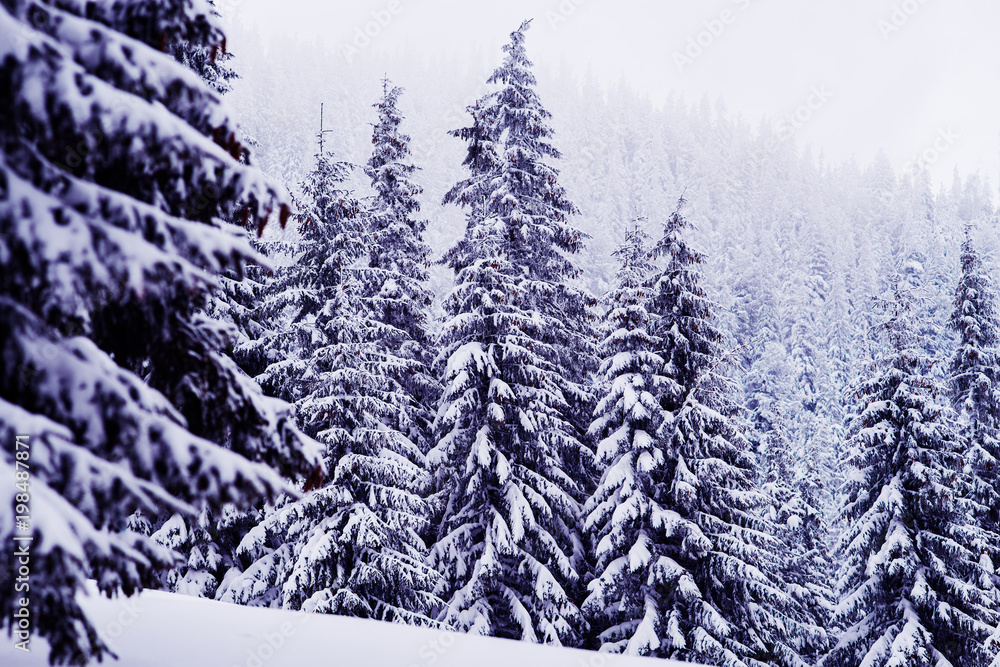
{"type": "Point", "coordinates": [157, 629]}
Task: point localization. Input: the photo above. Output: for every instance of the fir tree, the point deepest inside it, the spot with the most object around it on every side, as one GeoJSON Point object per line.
{"type": "Point", "coordinates": [352, 546]}
{"type": "Point", "coordinates": [975, 369]}
{"type": "Point", "coordinates": [210, 62]}
{"type": "Point", "coordinates": [395, 274]}
{"type": "Point", "coordinates": [818, 418]}
{"type": "Point", "coordinates": [626, 518]}
{"type": "Point", "coordinates": [509, 463]}
{"type": "Point", "coordinates": [790, 481]}
{"type": "Point", "coordinates": [107, 261]}
{"type": "Point", "coordinates": [909, 583]}
{"type": "Point", "coordinates": [722, 599]}
{"type": "Point", "coordinates": [974, 373]}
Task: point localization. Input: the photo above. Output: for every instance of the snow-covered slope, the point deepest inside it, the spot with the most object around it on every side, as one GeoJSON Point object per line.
{"type": "Point", "coordinates": [158, 629]}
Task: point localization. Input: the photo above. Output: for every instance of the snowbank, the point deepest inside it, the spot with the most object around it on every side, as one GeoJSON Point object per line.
{"type": "Point", "coordinates": [158, 629]}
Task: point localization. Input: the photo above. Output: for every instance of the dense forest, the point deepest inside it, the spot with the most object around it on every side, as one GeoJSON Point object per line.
{"type": "Point", "coordinates": [519, 355]}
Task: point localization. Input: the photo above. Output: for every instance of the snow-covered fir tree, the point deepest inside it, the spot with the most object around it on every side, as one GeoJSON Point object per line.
{"type": "Point", "coordinates": [394, 274]}
{"type": "Point", "coordinates": [351, 546]}
{"type": "Point", "coordinates": [910, 581]}
{"type": "Point", "coordinates": [790, 479]}
{"type": "Point", "coordinates": [110, 367]}
{"type": "Point", "coordinates": [509, 463]}
{"type": "Point", "coordinates": [817, 387]}
{"type": "Point", "coordinates": [722, 600]}
{"type": "Point", "coordinates": [975, 371]}
{"type": "Point", "coordinates": [208, 542]}
{"type": "Point", "coordinates": [209, 61]}
{"type": "Point", "coordinates": [626, 518]}
{"type": "Point", "coordinates": [310, 283]}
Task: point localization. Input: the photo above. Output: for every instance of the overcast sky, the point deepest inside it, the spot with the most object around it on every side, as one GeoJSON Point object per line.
{"type": "Point", "coordinates": [915, 77]}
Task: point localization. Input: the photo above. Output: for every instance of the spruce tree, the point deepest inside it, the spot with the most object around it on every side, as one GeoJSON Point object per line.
{"type": "Point", "coordinates": [722, 600]}
{"type": "Point", "coordinates": [208, 542]}
{"type": "Point", "coordinates": [975, 370]}
{"type": "Point", "coordinates": [352, 546]}
{"type": "Point", "coordinates": [509, 463]}
{"type": "Point", "coordinates": [626, 518]}
{"type": "Point", "coordinates": [909, 583]}
{"type": "Point", "coordinates": [394, 274]}
{"type": "Point", "coordinates": [117, 168]}
{"type": "Point", "coordinates": [818, 420]}
{"type": "Point", "coordinates": [789, 479]}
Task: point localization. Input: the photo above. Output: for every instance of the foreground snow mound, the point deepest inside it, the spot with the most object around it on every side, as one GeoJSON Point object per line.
{"type": "Point", "coordinates": [158, 629]}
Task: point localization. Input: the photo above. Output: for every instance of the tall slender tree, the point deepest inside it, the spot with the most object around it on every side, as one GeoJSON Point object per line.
{"type": "Point", "coordinates": [394, 275]}
{"type": "Point", "coordinates": [109, 369]}
{"type": "Point", "coordinates": [509, 462]}
{"type": "Point", "coordinates": [352, 546]}
{"type": "Point", "coordinates": [626, 517]}
{"type": "Point", "coordinates": [975, 394]}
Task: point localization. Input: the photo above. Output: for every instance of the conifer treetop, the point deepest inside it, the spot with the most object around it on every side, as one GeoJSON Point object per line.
{"type": "Point", "coordinates": [387, 169]}
{"type": "Point", "coordinates": [509, 180]}
{"type": "Point", "coordinates": [974, 365]}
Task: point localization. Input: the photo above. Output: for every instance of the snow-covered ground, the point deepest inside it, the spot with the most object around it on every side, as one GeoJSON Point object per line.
{"type": "Point", "coordinates": [158, 629]}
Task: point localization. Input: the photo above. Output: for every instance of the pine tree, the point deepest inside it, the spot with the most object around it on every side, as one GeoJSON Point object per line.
{"type": "Point", "coordinates": [722, 601]}
{"type": "Point", "coordinates": [909, 583]}
{"type": "Point", "coordinates": [789, 479]}
{"type": "Point", "coordinates": [117, 168]}
{"type": "Point", "coordinates": [509, 463]}
{"type": "Point", "coordinates": [351, 547]}
{"type": "Point", "coordinates": [975, 370]}
{"type": "Point", "coordinates": [819, 418]}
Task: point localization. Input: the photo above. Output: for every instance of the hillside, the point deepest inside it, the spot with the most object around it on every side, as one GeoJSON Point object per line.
{"type": "Point", "coordinates": [203, 633]}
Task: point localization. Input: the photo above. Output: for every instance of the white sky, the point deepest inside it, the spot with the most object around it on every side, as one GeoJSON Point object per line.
{"type": "Point", "coordinates": [937, 75]}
